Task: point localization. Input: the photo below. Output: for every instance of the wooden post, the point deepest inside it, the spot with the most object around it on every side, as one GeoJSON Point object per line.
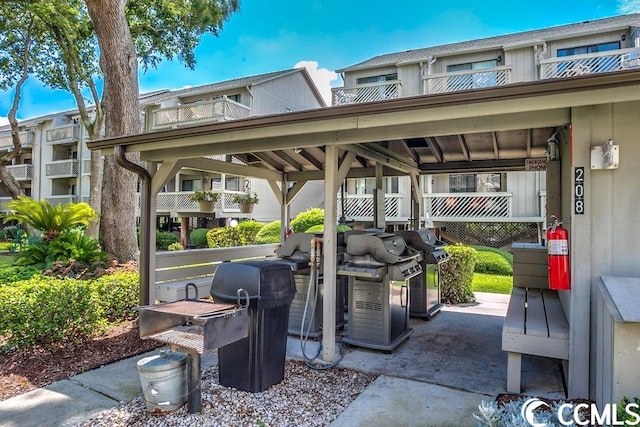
{"type": "Point", "coordinates": [184, 229]}
{"type": "Point", "coordinates": [330, 255]}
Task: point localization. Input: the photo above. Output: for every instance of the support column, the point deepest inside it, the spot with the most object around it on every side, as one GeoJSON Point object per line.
{"type": "Point", "coordinates": [284, 211]}
{"type": "Point", "coordinates": [379, 216]}
{"type": "Point", "coordinates": [416, 205]}
{"type": "Point", "coordinates": [184, 230]}
{"type": "Point", "coordinates": [329, 354]}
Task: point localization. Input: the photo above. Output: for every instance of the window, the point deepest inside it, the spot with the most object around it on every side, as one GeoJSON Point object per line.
{"type": "Point", "coordinates": [588, 65]}
{"type": "Point", "coordinates": [187, 185]}
{"type": "Point", "coordinates": [232, 183]}
{"type": "Point", "coordinates": [474, 183]}
{"type": "Point", "coordinates": [234, 97]}
{"type": "Point", "coordinates": [377, 79]}
{"type": "Point", "coordinates": [473, 80]}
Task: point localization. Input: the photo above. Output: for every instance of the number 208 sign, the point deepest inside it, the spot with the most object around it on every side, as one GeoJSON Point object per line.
{"type": "Point", "coordinates": [578, 191]}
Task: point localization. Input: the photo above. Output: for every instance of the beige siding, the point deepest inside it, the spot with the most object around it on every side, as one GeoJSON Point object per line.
{"type": "Point", "coordinates": [351, 79]}
{"type": "Point", "coordinates": [463, 59]}
{"type": "Point", "coordinates": [525, 187]}
{"type": "Point", "coordinates": [522, 62]}
{"type": "Point", "coordinates": [283, 94]}
{"type": "Point", "coordinates": [613, 36]}
{"type": "Point", "coordinates": [411, 78]}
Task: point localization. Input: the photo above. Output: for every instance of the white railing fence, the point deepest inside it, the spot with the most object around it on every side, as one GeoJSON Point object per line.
{"type": "Point", "coordinates": [367, 92]}
{"type": "Point", "coordinates": [465, 80]}
{"type": "Point", "coordinates": [62, 168]}
{"type": "Point", "coordinates": [591, 63]}
{"type": "Point", "coordinates": [62, 134]}
{"type": "Point", "coordinates": [359, 207]}
{"type": "Point", "coordinates": [20, 172]}
{"type": "Point", "coordinates": [216, 110]}
{"type": "Point", "coordinates": [6, 141]}
{"type": "Point", "coordinates": [467, 206]}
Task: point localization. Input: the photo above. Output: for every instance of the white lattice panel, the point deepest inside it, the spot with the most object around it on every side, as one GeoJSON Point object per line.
{"type": "Point", "coordinates": [365, 93]}
{"type": "Point", "coordinates": [20, 172]}
{"type": "Point", "coordinates": [593, 63]}
{"type": "Point", "coordinates": [62, 134]}
{"type": "Point", "coordinates": [468, 205]}
{"type": "Point", "coordinates": [62, 168]}
{"type": "Point", "coordinates": [219, 109]}
{"type": "Point", "coordinates": [465, 80]}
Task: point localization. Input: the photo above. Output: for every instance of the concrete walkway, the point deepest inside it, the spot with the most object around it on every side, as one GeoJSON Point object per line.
{"type": "Point", "coordinates": [441, 374]}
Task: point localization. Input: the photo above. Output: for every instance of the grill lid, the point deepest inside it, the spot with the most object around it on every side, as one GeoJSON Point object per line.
{"type": "Point", "coordinates": [383, 247]}
{"type": "Point", "coordinates": [422, 240]}
{"type": "Point", "coordinates": [264, 279]}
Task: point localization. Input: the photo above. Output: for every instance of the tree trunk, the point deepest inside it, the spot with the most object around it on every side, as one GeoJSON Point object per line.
{"type": "Point", "coordinates": [118, 62]}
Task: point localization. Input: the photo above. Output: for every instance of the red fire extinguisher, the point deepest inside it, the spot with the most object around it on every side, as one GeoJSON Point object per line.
{"type": "Point", "coordinates": [558, 250]}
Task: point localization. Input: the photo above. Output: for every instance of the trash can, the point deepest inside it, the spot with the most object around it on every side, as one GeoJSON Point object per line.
{"type": "Point", "coordinates": [164, 381]}
{"type": "Point", "coordinates": [256, 362]}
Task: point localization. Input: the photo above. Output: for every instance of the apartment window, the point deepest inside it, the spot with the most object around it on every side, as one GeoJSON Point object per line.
{"type": "Point", "coordinates": [235, 97]}
{"type": "Point", "coordinates": [367, 185]}
{"type": "Point", "coordinates": [474, 183]}
{"type": "Point", "coordinates": [377, 79]}
{"type": "Point", "coordinates": [232, 183]}
{"type": "Point", "coordinates": [187, 185]}
{"type": "Point", "coordinates": [590, 65]}
{"type": "Point", "coordinates": [473, 80]}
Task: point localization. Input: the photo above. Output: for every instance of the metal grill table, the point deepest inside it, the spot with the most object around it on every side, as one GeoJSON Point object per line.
{"type": "Point", "coordinates": [194, 327]}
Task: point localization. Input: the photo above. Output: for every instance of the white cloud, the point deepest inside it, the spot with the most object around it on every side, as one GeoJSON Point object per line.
{"type": "Point", "coordinates": [3, 121]}
{"type": "Point", "coordinates": [321, 77]}
{"type": "Point", "coordinates": [628, 6]}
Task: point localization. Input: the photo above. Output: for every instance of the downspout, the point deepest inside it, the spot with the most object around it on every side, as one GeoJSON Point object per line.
{"type": "Point", "coordinates": [145, 226]}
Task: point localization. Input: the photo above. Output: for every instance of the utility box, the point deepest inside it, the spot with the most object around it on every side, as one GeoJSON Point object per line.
{"type": "Point", "coordinates": [530, 265]}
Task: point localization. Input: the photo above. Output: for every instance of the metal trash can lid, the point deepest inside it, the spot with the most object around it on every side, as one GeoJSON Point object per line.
{"type": "Point", "coordinates": [164, 361]}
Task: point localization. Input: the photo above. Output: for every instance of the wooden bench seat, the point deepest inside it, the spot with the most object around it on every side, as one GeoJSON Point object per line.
{"type": "Point", "coordinates": [535, 324]}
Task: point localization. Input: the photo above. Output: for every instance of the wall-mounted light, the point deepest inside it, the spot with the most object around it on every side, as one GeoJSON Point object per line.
{"type": "Point", "coordinates": [624, 37]}
{"type": "Point", "coordinates": [499, 59]}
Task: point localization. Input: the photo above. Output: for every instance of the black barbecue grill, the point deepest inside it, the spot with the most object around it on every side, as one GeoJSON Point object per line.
{"type": "Point", "coordinates": [194, 327]}
{"type": "Point", "coordinates": [425, 287]}
{"type": "Point", "coordinates": [379, 267]}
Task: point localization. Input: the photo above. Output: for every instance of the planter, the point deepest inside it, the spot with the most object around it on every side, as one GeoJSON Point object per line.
{"type": "Point", "coordinates": [206, 206]}
{"type": "Point", "coordinates": [246, 207]}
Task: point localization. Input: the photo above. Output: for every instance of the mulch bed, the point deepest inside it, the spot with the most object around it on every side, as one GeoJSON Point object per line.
{"type": "Point", "coordinates": [30, 368]}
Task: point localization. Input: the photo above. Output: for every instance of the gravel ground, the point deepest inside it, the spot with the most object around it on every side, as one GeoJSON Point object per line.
{"type": "Point", "coordinates": [306, 397]}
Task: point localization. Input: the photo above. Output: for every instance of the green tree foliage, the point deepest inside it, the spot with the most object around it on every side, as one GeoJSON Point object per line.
{"type": "Point", "coordinates": [305, 220]}
{"type": "Point", "coordinates": [247, 231]}
{"type": "Point", "coordinates": [456, 274]}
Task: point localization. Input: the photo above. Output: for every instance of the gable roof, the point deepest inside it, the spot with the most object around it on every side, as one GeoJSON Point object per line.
{"type": "Point", "coordinates": [236, 83]}
{"type": "Point", "coordinates": [499, 42]}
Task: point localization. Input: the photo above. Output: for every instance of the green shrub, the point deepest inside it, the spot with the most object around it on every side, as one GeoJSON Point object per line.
{"type": "Point", "coordinates": [117, 295]}
{"type": "Point", "coordinates": [221, 237]}
{"type": "Point", "coordinates": [492, 263]}
{"type": "Point", "coordinates": [175, 247]}
{"type": "Point", "coordinates": [456, 274]}
{"type": "Point", "coordinates": [69, 244]}
{"type": "Point", "coordinates": [15, 273]}
{"type": "Point", "coordinates": [6, 246]}
{"type": "Point", "coordinates": [305, 220]}
{"type": "Point", "coordinates": [316, 229]}
{"type": "Point", "coordinates": [270, 233]}
{"type": "Point", "coordinates": [164, 239]}
{"type": "Point", "coordinates": [43, 309]}
{"type": "Point", "coordinates": [247, 231]}
{"type": "Point", "coordinates": [199, 237]}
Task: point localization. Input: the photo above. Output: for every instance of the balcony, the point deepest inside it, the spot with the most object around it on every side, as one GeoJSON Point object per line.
{"type": "Point", "coordinates": [591, 63]}
{"type": "Point", "coordinates": [61, 199]}
{"type": "Point", "coordinates": [201, 112]}
{"type": "Point", "coordinates": [62, 134]}
{"type": "Point", "coordinates": [168, 202]}
{"type": "Point", "coordinates": [62, 169]}
{"type": "Point", "coordinates": [20, 172]}
{"type": "Point", "coordinates": [367, 92]}
{"type": "Point", "coordinates": [6, 142]}
{"type": "Point", "coordinates": [359, 207]}
{"type": "Point", "coordinates": [467, 79]}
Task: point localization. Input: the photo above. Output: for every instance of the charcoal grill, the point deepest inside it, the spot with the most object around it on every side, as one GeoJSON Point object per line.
{"type": "Point", "coordinates": [379, 267]}
{"type": "Point", "coordinates": [425, 288]}
{"type": "Point", "coordinates": [195, 327]}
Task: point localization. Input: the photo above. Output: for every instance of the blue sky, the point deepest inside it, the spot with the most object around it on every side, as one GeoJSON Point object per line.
{"type": "Point", "coordinates": [326, 35]}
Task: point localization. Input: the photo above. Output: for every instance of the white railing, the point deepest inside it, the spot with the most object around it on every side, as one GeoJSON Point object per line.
{"type": "Point", "coordinates": [199, 112]}
{"type": "Point", "coordinates": [359, 207]}
{"type": "Point", "coordinates": [61, 200]}
{"type": "Point", "coordinates": [366, 92]}
{"type": "Point", "coordinates": [3, 203]}
{"type": "Point", "coordinates": [21, 172]}
{"type": "Point", "coordinates": [591, 63]}
{"type": "Point", "coordinates": [467, 206]}
{"type": "Point", "coordinates": [61, 168]}
{"type": "Point", "coordinates": [62, 134]}
{"type": "Point", "coordinates": [179, 202]}
{"type": "Point", "coordinates": [86, 166]}
{"type": "Point", "coordinates": [6, 142]}
{"type": "Point", "coordinates": [467, 79]}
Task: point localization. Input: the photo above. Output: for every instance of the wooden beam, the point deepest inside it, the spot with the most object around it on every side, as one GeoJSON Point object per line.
{"type": "Point", "coordinates": [268, 161]}
{"type": "Point", "coordinates": [435, 149]}
{"type": "Point", "coordinates": [230, 168]}
{"type": "Point", "coordinates": [308, 157]}
{"type": "Point", "coordinates": [529, 142]}
{"type": "Point", "coordinates": [276, 191]}
{"type": "Point", "coordinates": [167, 170]}
{"type": "Point", "coordinates": [496, 151]}
{"type": "Point", "coordinates": [295, 190]}
{"type": "Point", "coordinates": [473, 166]}
{"type": "Point", "coordinates": [288, 159]}
{"type": "Point", "coordinates": [380, 158]}
{"type": "Point", "coordinates": [464, 147]}
{"type": "Point", "coordinates": [343, 170]}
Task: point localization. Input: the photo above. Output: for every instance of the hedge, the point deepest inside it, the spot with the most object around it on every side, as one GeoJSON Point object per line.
{"type": "Point", "coordinates": [270, 233]}
{"type": "Point", "coordinates": [456, 275]}
{"type": "Point", "coordinates": [47, 309]}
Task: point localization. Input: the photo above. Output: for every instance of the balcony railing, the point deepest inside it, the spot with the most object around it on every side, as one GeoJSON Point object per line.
{"type": "Point", "coordinates": [62, 134]}
{"type": "Point", "coordinates": [359, 207]}
{"type": "Point", "coordinates": [367, 92]}
{"type": "Point", "coordinates": [6, 142]}
{"type": "Point", "coordinates": [465, 80]}
{"type": "Point", "coordinates": [62, 199]}
{"type": "Point", "coordinates": [200, 112]}
{"type": "Point", "coordinates": [62, 169]}
{"type": "Point", "coordinates": [20, 172]}
{"type": "Point", "coordinates": [179, 202]}
{"type": "Point", "coordinates": [591, 63]}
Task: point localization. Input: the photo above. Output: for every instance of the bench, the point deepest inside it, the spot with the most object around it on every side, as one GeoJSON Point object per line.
{"type": "Point", "coordinates": [175, 269]}
{"type": "Point", "coordinates": [535, 324]}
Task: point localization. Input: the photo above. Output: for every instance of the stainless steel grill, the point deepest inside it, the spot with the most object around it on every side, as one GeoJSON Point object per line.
{"type": "Point", "coordinates": [379, 267]}
{"type": "Point", "coordinates": [194, 327]}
